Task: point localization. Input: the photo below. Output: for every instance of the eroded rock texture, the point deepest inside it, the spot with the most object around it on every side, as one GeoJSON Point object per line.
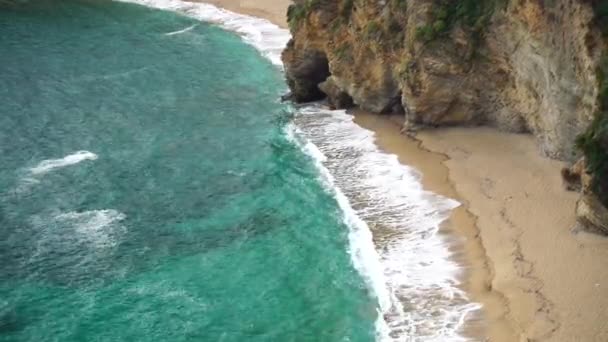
{"type": "Point", "coordinates": [519, 65]}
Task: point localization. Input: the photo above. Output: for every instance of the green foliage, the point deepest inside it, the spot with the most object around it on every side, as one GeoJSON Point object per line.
{"type": "Point", "coordinates": [401, 4]}
{"type": "Point", "coordinates": [298, 12]}
{"type": "Point", "coordinates": [373, 30]}
{"type": "Point", "coordinates": [403, 70]}
{"type": "Point", "coordinates": [343, 52]}
{"type": "Point", "coordinates": [439, 26]}
{"type": "Point", "coordinates": [601, 15]}
{"type": "Point", "coordinates": [594, 144]}
{"type": "Point", "coordinates": [336, 25]}
{"type": "Point", "coordinates": [426, 33]}
{"type": "Point", "coordinates": [594, 141]}
{"type": "Point", "coordinates": [295, 14]}
{"type": "Point", "coordinates": [347, 8]}
{"type": "Point", "coordinates": [474, 14]}
{"type": "Point", "coordinates": [312, 4]}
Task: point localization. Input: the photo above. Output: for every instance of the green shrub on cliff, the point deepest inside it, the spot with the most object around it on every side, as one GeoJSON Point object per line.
{"type": "Point", "coordinates": [344, 52]}
{"type": "Point", "coordinates": [473, 14]}
{"type": "Point", "coordinates": [401, 4]}
{"type": "Point", "coordinates": [295, 14]}
{"type": "Point", "coordinates": [594, 144]}
{"type": "Point", "coordinates": [600, 8]}
{"type": "Point", "coordinates": [426, 33]}
{"type": "Point", "coordinates": [298, 11]}
{"type": "Point", "coordinates": [373, 30]}
{"type": "Point", "coordinates": [594, 141]}
{"type": "Point", "coordinates": [347, 8]}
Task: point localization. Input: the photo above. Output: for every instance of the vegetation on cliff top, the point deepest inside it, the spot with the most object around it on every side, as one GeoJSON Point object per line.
{"type": "Point", "coordinates": [298, 11]}
{"type": "Point", "coordinates": [473, 14]}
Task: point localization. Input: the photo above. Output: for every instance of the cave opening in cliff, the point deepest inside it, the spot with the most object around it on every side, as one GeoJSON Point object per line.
{"type": "Point", "coordinates": [305, 74]}
{"type": "Point", "coordinates": [318, 72]}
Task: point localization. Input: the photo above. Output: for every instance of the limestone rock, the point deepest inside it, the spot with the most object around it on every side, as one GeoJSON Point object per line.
{"type": "Point", "coordinates": [304, 71]}
{"type": "Point", "coordinates": [337, 98]}
{"type": "Point", "coordinates": [591, 214]}
{"type": "Point", "coordinates": [518, 65]}
{"type": "Point", "coordinates": [527, 66]}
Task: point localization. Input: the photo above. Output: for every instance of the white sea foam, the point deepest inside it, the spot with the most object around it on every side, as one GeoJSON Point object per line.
{"type": "Point", "coordinates": [71, 233]}
{"type": "Point", "coordinates": [96, 227]}
{"type": "Point", "coordinates": [190, 28]}
{"type": "Point", "coordinates": [408, 264]}
{"type": "Point", "coordinates": [48, 165]}
{"type": "Point", "coordinates": [405, 262]}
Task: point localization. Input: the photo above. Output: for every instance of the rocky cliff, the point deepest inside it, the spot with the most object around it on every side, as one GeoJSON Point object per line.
{"type": "Point", "coordinates": [536, 66]}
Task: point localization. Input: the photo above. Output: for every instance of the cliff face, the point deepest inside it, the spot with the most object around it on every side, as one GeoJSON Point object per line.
{"type": "Point", "coordinates": [520, 65]}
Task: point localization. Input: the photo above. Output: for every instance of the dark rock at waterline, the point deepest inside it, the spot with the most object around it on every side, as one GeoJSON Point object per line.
{"type": "Point", "coordinates": [591, 214]}
{"type": "Point", "coordinates": [304, 72]}
{"type": "Point", "coordinates": [336, 97]}
{"type": "Point", "coordinates": [287, 97]}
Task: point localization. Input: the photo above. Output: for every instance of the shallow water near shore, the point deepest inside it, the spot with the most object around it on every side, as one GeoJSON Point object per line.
{"type": "Point", "coordinates": [149, 191]}
{"type": "Point", "coordinates": [153, 188]}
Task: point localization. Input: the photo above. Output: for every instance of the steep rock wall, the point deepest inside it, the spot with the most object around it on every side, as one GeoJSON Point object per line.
{"type": "Point", "coordinates": [519, 65]}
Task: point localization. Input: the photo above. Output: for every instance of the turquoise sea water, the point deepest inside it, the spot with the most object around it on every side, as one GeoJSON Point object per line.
{"type": "Point", "coordinates": [148, 191]}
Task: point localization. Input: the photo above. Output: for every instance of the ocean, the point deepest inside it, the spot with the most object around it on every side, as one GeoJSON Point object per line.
{"type": "Point", "coordinates": [154, 188]}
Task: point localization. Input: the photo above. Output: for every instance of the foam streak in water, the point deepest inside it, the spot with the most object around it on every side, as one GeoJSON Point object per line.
{"type": "Point", "coordinates": [49, 165]}
{"type": "Point", "coordinates": [190, 28]}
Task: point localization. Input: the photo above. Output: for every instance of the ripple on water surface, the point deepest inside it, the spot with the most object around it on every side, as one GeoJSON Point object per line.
{"type": "Point", "coordinates": [201, 219]}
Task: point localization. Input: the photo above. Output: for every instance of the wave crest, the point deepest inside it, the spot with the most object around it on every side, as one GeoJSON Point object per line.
{"type": "Point", "coordinates": [49, 165]}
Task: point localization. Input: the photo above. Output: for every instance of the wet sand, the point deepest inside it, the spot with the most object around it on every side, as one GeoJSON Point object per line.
{"type": "Point", "coordinates": [537, 279]}
{"type": "Point", "coordinates": [467, 248]}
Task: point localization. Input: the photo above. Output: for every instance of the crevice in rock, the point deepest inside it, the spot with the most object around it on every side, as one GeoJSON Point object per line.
{"type": "Point", "coordinates": [394, 106]}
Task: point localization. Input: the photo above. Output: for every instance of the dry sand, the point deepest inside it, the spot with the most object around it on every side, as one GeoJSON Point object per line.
{"type": "Point", "coordinates": [554, 280]}
{"type": "Point", "coordinates": [537, 279]}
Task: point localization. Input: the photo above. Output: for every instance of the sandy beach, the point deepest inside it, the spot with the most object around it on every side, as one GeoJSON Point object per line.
{"type": "Point", "coordinates": [551, 276]}
{"type": "Point", "coordinates": [537, 278]}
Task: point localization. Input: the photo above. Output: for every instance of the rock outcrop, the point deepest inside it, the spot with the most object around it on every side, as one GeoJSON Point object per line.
{"type": "Point", "coordinates": [519, 65]}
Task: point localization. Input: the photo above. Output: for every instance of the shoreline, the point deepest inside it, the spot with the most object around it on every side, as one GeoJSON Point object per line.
{"type": "Point", "coordinates": [460, 228]}
{"type": "Point", "coordinates": [492, 321]}
{"type": "Point", "coordinates": [536, 278]}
